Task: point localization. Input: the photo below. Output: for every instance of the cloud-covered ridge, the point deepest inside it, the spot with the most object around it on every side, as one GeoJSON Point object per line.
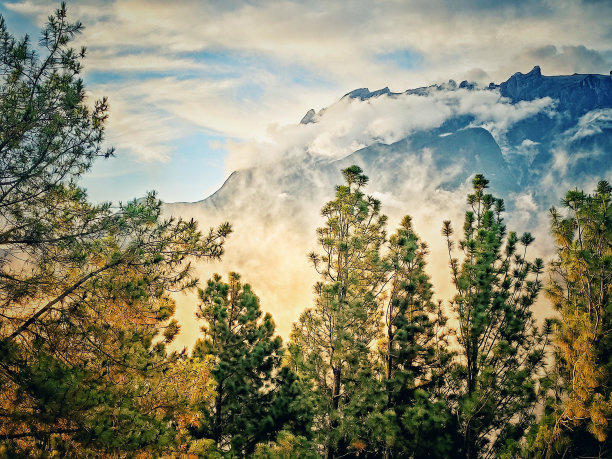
{"type": "Point", "coordinates": [421, 150]}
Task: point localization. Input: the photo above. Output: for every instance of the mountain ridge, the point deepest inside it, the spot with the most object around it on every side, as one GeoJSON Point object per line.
{"type": "Point", "coordinates": [533, 136]}
{"type": "Point", "coordinates": [590, 90]}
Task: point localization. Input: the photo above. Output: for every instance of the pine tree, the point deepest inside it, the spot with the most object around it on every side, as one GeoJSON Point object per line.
{"type": "Point", "coordinates": [578, 416]}
{"type": "Point", "coordinates": [417, 357]}
{"type": "Point", "coordinates": [255, 397]}
{"type": "Point", "coordinates": [331, 341]}
{"type": "Point", "coordinates": [72, 362]}
{"type": "Point", "coordinates": [287, 446]}
{"type": "Point", "coordinates": [85, 301]}
{"type": "Point", "coordinates": [501, 349]}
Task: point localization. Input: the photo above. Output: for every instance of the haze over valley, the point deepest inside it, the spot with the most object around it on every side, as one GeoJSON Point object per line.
{"type": "Point", "coordinates": [533, 136]}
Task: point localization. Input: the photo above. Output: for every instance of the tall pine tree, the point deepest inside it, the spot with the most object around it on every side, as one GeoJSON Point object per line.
{"type": "Point", "coordinates": [501, 350]}
{"type": "Point", "coordinates": [332, 341]}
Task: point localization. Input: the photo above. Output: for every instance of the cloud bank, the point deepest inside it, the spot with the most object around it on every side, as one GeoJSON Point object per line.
{"type": "Point", "coordinates": [351, 124]}
{"type": "Point", "coordinates": [235, 67]}
{"type": "Point", "coordinates": [274, 201]}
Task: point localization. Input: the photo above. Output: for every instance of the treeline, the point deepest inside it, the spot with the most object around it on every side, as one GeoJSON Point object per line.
{"type": "Point", "coordinates": [377, 367]}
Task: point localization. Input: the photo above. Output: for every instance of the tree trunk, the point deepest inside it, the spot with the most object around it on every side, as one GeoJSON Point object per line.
{"type": "Point", "coordinates": [389, 364]}
{"type": "Point", "coordinates": [217, 428]}
{"type": "Point", "coordinates": [337, 373]}
{"type": "Point", "coordinates": [471, 451]}
{"type": "Point", "coordinates": [336, 390]}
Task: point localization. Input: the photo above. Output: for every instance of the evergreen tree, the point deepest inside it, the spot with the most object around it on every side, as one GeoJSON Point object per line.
{"type": "Point", "coordinates": [578, 415]}
{"type": "Point", "coordinates": [417, 420]}
{"type": "Point", "coordinates": [331, 341]}
{"type": "Point", "coordinates": [287, 445]}
{"type": "Point", "coordinates": [85, 305]}
{"type": "Point", "coordinates": [255, 397]}
{"type": "Point", "coordinates": [501, 349]}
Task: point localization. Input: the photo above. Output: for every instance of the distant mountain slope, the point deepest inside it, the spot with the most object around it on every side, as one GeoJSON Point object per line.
{"type": "Point", "coordinates": [533, 136]}
{"type": "Point", "coordinates": [579, 121]}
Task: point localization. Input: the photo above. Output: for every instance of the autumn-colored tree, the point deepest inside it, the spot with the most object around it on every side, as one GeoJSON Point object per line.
{"type": "Point", "coordinates": [85, 305]}
{"type": "Point", "coordinates": [287, 445]}
{"type": "Point", "coordinates": [578, 415]}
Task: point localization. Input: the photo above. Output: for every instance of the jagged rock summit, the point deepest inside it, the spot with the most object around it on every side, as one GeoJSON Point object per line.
{"type": "Point", "coordinates": [308, 117]}
{"type": "Point", "coordinates": [577, 93]}
{"type": "Point", "coordinates": [365, 93]}
{"type": "Point", "coordinates": [558, 129]}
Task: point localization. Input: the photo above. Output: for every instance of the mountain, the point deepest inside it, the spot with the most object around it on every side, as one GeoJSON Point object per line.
{"type": "Point", "coordinates": [577, 121]}
{"type": "Point", "coordinates": [533, 136]}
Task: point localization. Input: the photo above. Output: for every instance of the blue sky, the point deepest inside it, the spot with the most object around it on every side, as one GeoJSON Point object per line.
{"type": "Point", "coordinates": [189, 81]}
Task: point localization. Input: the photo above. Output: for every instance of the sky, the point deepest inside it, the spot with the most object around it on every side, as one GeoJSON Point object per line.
{"type": "Point", "coordinates": [191, 82]}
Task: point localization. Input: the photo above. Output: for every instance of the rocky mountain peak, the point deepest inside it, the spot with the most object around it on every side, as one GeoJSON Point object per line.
{"type": "Point", "coordinates": [308, 117]}
{"type": "Point", "coordinates": [577, 93]}
{"type": "Point", "coordinates": [365, 93]}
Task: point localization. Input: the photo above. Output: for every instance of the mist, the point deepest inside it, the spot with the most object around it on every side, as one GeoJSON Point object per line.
{"type": "Point", "coordinates": [284, 177]}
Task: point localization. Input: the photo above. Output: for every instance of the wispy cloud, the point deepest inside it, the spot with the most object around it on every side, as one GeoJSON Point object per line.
{"type": "Point", "coordinates": [254, 64]}
{"type": "Point", "coordinates": [350, 124]}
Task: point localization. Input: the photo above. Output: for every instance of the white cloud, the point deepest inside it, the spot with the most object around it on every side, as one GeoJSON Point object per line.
{"type": "Point", "coordinates": [351, 124]}
{"type": "Point", "coordinates": [253, 65]}
{"type": "Point", "coordinates": [591, 123]}
{"type": "Point", "coordinates": [525, 202]}
{"type": "Point", "coordinates": [146, 134]}
{"type": "Point", "coordinates": [343, 42]}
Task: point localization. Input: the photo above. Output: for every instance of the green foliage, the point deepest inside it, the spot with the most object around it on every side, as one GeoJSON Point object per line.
{"type": "Point", "coordinates": [286, 446]}
{"type": "Point", "coordinates": [331, 341]}
{"type": "Point", "coordinates": [578, 415]}
{"type": "Point", "coordinates": [416, 356]}
{"type": "Point", "coordinates": [85, 301]}
{"type": "Point", "coordinates": [86, 314]}
{"type": "Point", "coordinates": [255, 397]}
{"type": "Point", "coordinates": [493, 384]}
